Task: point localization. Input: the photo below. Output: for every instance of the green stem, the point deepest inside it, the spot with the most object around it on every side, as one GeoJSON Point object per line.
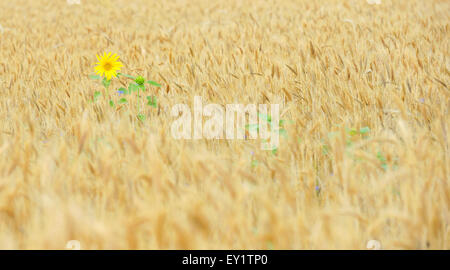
{"type": "Point", "coordinates": [138, 102]}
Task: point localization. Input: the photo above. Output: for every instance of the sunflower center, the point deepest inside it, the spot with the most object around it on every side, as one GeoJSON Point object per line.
{"type": "Point", "coordinates": [107, 66]}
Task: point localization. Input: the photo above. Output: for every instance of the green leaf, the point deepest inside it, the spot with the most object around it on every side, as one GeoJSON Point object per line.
{"type": "Point", "coordinates": [106, 83]}
{"type": "Point", "coordinates": [364, 130]}
{"type": "Point", "coordinates": [124, 90]}
{"type": "Point", "coordinates": [282, 122]}
{"type": "Point", "coordinates": [122, 101]}
{"type": "Point", "coordinates": [111, 103]}
{"type": "Point", "coordinates": [95, 77]}
{"type": "Point", "coordinates": [97, 94]}
{"type": "Point", "coordinates": [352, 131]}
{"type": "Point", "coordinates": [283, 132]}
{"type": "Point", "coordinates": [154, 83]}
{"type": "Point", "coordinates": [325, 149]}
{"type": "Point", "coordinates": [251, 127]}
{"type": "Point", "coordinates": [133, 87]}
{"type": "Point", "coordinates": [126, 75]}
{"type": "Point", "coordinates": [151, 101]}
{"type": "Point", "coordinates": [381, 157]}
{"type": "Point", "coordinates": [265, 117]}
{"type": "Point", "coordinates": [142, 87]}
{"type": "Point", "coordinates": [141, 117]}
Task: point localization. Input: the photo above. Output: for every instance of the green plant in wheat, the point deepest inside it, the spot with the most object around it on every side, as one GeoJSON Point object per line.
{"type": "Point", "coordinates": [137, 85]}
{"type": "Point", "coordinates": [282, 131]}
{"type": "Point", "coordinates": [107, 68]}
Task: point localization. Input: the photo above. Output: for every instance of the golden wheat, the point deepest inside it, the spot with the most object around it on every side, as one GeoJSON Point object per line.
{"type": "Point", "coordinates": [75, 170]}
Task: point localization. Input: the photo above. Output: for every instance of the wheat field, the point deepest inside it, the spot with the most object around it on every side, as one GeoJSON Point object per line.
{"type": "Point", "coordinates": [364, 89]}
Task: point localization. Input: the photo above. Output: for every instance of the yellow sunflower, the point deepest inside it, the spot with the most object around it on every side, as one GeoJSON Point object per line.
{"type": "Point", "coordinates": [108, 65]}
